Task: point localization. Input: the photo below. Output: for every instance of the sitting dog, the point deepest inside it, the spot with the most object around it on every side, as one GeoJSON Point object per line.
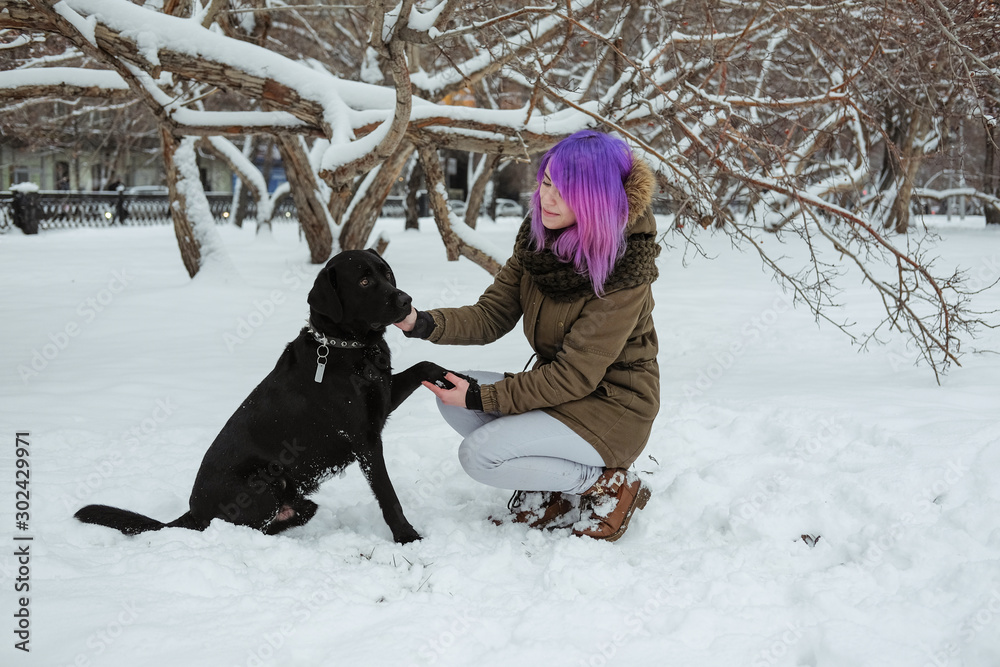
{"type": "Point", "coordinates": [321, 408]}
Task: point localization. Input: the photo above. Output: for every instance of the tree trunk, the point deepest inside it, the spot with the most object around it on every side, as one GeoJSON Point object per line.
{"type": "Point", "coordinates": [431, 164]}
{"type": "Point", "coordinates": [991, 181]}
{"type": "Point", "coordinates": [237, 204]}
{"type": "Point", "coordinates": [312, 213]}
{"type": "Point", "coordinates": [483, 176]}
{"type": "Point", "coordinates": [183, 228]}
{"type": "Point", "coordinates": [412, 203]}
{"type": "Point", "coordinates": [899, 217]}
{"type": "Point", "coordinates": [242, 205]}
{"type": "Point", "coordinates": [359, 225]}
{"type": "Point", "coordinates": [903, 161]}
{"type": "Point", "coordinates": [340, 199]}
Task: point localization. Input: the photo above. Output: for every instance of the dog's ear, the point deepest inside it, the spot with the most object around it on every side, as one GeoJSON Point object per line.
{"type": "Point", "coordinates": [323, 297]}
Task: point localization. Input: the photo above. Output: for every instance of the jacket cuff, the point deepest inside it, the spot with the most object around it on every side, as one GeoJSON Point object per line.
{"type": "Point", "coordinates": [437, 331]}
{"type": "Point", "coordinates": [488, 396]}
{"type": "Point", "coordinates": [423, 327]}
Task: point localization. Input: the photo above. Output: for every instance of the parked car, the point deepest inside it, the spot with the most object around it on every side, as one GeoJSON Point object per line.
{"type": "Point", "coordinates": [457, 207]}
{"type": "Point", "coordinates": [509, 208]}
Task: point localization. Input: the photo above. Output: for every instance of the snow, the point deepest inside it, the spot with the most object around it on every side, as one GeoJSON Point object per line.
{"type": "Point", "coordinates": [370, 72]}
{"type": "Point", "coordinates": [56, 76]}
{"type": "Point", "coordinates": [424, 21]}
{"type": "Point", "coordinates": [85, 26]}
{"type": "Point", "coordinates": [131, 369]}
{"type": "Point", "coordinates": [340, 154]}
{"type": "Point", "coordinates": [19, 40]}
{"type": "Point", "coordinates": [389, 22]}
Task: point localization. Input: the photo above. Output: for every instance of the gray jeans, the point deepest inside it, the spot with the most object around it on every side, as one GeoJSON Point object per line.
{"type": "Point", "coordinates": [530, 452]}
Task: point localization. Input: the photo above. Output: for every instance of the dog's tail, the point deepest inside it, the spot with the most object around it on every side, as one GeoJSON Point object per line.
{"type": "Point", "coordinates": [132, 523]}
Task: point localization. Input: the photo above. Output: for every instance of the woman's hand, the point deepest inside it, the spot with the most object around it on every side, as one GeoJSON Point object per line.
{"type": "Point", "coordinates": [406, 324]}
{"type": "Point", "coordinates": [454, 396]}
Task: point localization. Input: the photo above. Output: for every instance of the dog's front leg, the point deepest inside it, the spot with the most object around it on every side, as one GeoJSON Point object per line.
{"type": "Point", "coordinates": [405, 382]}
{"type": "Point", "coordinates": [373, 465]}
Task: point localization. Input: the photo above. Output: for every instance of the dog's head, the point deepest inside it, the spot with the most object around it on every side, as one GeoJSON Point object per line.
{"type": "Point", "coordinates": [356, 291]}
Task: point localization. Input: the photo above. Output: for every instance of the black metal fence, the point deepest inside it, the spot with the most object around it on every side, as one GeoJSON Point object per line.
{"type": "Point", "coordinates": [60, 210]}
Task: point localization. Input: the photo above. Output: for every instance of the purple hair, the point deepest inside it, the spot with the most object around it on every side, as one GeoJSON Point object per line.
{"type": "Point", "coordinates": [588, 169]}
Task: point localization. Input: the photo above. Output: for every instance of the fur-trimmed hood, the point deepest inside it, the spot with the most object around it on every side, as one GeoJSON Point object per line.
{"type": "Point", "coordinates": [639, 187]}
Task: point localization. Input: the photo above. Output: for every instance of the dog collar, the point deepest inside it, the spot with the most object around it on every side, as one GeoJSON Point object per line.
{"type": "Point", "coordinates": [330, 341]}
{"type": "Point", "coordinates": [325, 343]}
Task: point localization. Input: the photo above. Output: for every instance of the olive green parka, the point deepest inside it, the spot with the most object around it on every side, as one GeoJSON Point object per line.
{"type": "Point", "coordinates": [596, 368]}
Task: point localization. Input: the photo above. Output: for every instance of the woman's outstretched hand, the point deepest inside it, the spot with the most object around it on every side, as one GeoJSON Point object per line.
{"type": "Point", "coordinates": [406, 324]}
{"type": "Point", "coordinates": [454, 396]}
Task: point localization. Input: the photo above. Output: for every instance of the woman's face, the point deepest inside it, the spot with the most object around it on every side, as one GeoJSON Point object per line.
{"type": "Point", "coordinates": [556, 214]}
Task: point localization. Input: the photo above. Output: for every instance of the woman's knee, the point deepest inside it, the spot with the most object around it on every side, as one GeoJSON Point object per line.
{"type": "Point", "coordinates": [470, 455]}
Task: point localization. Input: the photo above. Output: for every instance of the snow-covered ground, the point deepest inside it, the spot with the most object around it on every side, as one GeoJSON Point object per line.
{"type": "Point", "coordinates": [123, 370]}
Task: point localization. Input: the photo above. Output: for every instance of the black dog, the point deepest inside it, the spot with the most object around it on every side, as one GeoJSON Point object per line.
{"type": "Point", "coordinates": [321, 408]}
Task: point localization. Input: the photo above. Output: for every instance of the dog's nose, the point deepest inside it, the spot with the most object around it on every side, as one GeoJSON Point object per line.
{"type": "Point", "coordinates": [403, 300]}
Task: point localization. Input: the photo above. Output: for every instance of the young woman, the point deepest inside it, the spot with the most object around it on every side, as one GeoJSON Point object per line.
{"type": "Point", "coordinates": [580, 278]}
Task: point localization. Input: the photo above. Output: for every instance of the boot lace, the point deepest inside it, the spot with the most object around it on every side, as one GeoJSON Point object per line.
{"type": "Point", "coordinates": [515, 501]}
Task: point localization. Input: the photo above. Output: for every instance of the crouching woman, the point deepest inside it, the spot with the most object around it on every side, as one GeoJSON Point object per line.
{"type": "Point", "coordinates": [564, 433]}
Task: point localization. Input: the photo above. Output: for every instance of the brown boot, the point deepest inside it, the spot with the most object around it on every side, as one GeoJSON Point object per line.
{"type": "Point", "coordinates": [612, 499]}
{"type": "Point", "coordinates": [540, 509]}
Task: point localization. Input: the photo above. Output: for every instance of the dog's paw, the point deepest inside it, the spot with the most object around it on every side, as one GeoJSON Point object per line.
{"type": "Point", "coordinates": [445, 384]}
{"type": "Point", "coordinates": [407, 536]}
{"type": "Point", "coordinates": [431, 372]}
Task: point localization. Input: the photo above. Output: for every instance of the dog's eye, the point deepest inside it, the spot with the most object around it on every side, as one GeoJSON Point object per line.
{"type": "Point", "coordinates": [364, 282]}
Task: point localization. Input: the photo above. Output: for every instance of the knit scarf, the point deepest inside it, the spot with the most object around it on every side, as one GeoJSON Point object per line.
{"type": "Point", "coordinates": [560, 280]}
